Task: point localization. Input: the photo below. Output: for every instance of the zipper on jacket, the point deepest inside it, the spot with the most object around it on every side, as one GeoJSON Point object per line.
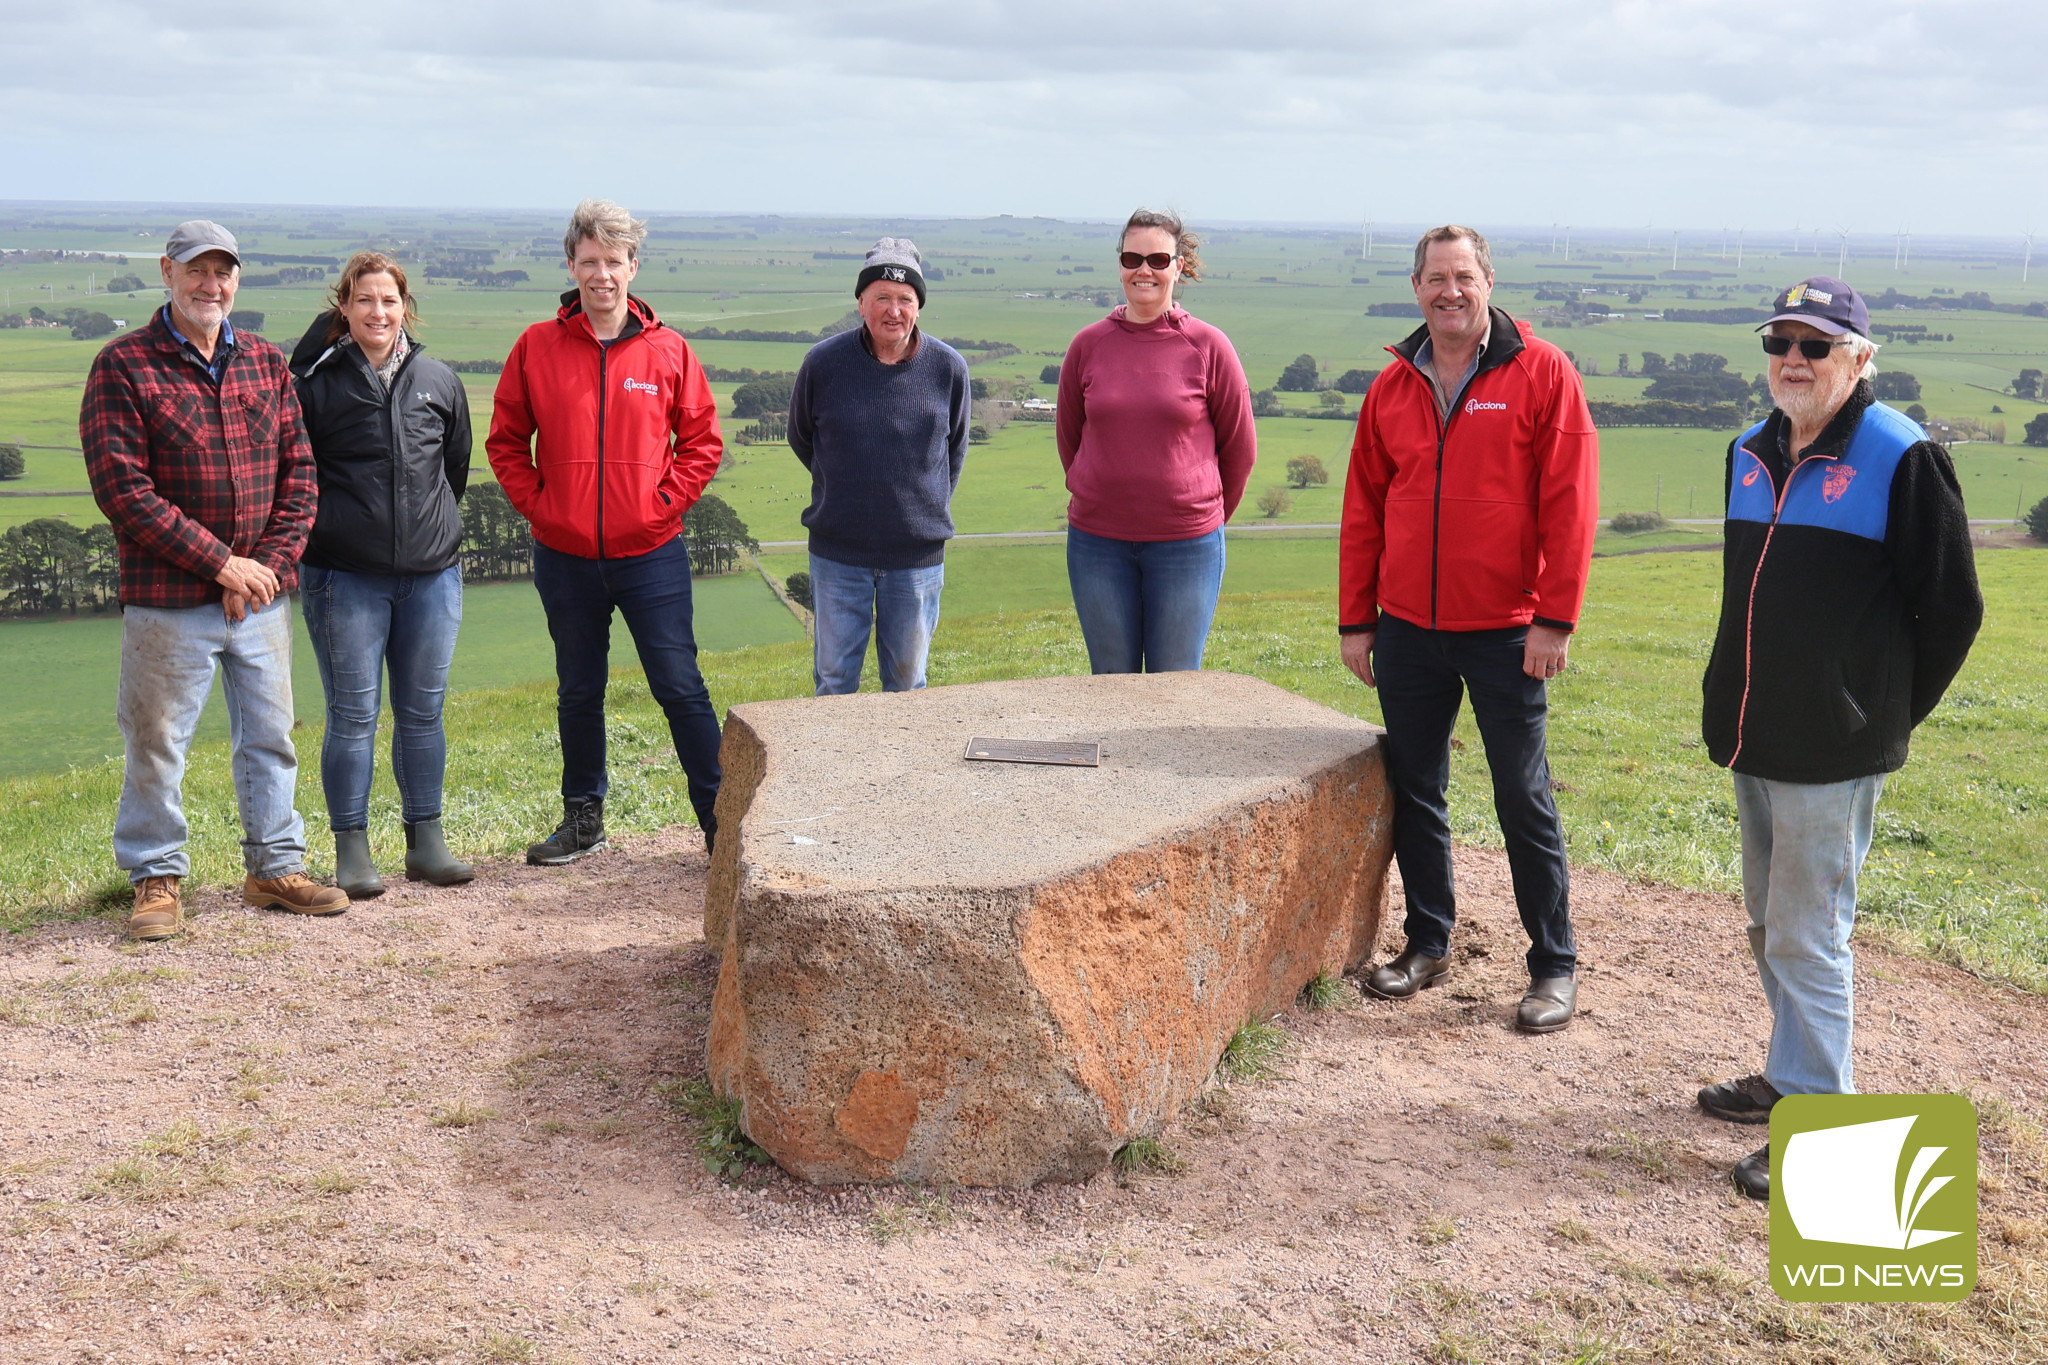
{"type": "Point", "coordinates": [392, 391]}
{"type": "Point", "coordinates": [1756, 576]}
{"type": "Point", "coordinates": [604, 355]}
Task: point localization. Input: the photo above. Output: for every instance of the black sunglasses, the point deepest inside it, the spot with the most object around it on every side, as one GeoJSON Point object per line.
{"type": "Point", "coordinates": [1158, 260]}
{"type": "Point", "coordinates": [1811, 347]}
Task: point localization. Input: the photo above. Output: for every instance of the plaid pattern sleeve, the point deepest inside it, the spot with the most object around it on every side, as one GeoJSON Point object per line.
{"type": "Point", "coordinates": [114, 427]}
{"type": "Point", "coordinates": [190, 472]}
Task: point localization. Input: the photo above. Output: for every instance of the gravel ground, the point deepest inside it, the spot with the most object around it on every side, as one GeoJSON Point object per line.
{"type": "Point", "coordinates": [437, 1128]}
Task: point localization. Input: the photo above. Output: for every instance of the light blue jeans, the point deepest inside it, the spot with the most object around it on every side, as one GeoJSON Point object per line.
{"type": "Point", "coordinates": [1802, 845]}
{"type": "Point", "coordinates": [1145, 605]}
{"type": "Point", "coordinates": [900, 607]}
{"type": "Point", "coordinates": [360, 623]}
{"type": "Point", "coordinates": [168, 656]}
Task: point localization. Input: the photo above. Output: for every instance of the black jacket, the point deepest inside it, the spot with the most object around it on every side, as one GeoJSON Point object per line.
{"type": "Point", "coordinates": [1849, 597]}
{"type": "Point", "coordinates": [391, 466]}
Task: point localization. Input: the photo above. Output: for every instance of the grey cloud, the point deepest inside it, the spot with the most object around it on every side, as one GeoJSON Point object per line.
{"type": "Point", "coordinates": [1522, 111]}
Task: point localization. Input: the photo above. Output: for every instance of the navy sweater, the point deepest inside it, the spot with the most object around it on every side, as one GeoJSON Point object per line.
{"type": "Point", "coordinates": [884, 444]}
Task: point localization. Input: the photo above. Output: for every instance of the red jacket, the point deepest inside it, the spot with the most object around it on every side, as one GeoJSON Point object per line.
{"type": "Point", "coordinates": [1482, 522]}
{"type": "Point", "coordinates": [628, 434]}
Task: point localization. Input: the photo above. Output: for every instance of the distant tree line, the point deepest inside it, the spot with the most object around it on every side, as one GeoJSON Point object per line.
{"type": "Point", "coordinates": [1664, 413]}
{"type": "Point", "coordinates": [498, 544]}
{"type": "Point", "coordinates": [1749, 317]}
{"type": "Point", "coordinates": [768, 394]}
{"type": "Point", "coordinates": [291, 274]}
{"type": "Point", "coordinates": [1303, 376]}
{"type": "Point", "coordinates": [476, 366]}
{"type": "Point", "coordinates": [84, 325]}
{"type": "Point", "coordinates": [49, 567]}
{"type": "Point", "coordinates": [1394, 310]}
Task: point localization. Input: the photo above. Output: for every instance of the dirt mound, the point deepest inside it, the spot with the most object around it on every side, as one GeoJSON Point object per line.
{"type": "Point", "coordinates": [449, 1126]}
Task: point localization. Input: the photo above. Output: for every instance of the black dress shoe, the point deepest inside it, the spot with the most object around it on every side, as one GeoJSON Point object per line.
{"type": "Point", "coordinates": [1752, 1174]}
{"type": "Point", "coordinates": [1747, 1100]}
{"type": "Point", "coordinates": [1407, 974]}
{"type": "Point", "coordinates": [1549, 1005]}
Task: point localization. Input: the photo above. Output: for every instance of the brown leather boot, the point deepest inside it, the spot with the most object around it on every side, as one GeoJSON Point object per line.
{"type": "Point", "coordinates": [159, 910]}
{"type": "Point", "coordinates": [295, 892]}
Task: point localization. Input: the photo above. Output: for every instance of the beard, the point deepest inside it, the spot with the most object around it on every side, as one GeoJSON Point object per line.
{"type": "Point", "coordinates": [1811, 405]}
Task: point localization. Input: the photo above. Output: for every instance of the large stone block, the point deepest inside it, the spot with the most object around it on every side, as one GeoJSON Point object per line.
{"type": "Point", "coordinates": [975, 973]}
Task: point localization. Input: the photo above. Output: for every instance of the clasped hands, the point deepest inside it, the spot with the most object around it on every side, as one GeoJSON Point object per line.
{"type": "Point", "coordinates": [246, 584]}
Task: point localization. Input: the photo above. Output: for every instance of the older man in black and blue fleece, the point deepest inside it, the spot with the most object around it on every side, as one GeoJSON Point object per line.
{"type": "Point", "coordinates": [879, 416]}
{"type": "Point", "coordinates": [1849, 601]}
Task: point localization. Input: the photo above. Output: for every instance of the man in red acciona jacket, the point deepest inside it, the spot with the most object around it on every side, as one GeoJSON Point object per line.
{"type": "Point", "coordinates": [1468, 531]}
{"type": "Point", "coordinates": [603, 434]}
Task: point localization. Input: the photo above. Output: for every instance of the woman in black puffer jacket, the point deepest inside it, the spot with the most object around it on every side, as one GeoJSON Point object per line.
{"type": "Point", "coordinates": [381, 582]}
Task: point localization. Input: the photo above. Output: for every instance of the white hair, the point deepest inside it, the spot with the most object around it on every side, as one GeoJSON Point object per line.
{"type": "Point", "coordinates": [1862, 353]}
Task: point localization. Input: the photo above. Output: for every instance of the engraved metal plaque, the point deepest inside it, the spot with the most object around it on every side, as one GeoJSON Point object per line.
{"type": "Point", "coordinates": [1066, 753]}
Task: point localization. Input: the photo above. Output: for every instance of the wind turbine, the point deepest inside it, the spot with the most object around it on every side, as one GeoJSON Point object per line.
{"type": "Point", "coordinates": [2028, 263]}
{"type": "Point", "coordinates": [1674, 248]}
{"type": "Point", "coordinates": [1724, 241]}
{"type": "Point", "coordinates": [1567, 241]}
{"type": "Point", "coordinates": [1553, 239]}
{"type": "Point", "coordinates": [1908, 258]}
{"type": "Point", "coordinates": [1368, 239]}
{"type": "Point", "coordinates": [1842, 261]}
{"type": "Point", "coordinates": [1738, 249]}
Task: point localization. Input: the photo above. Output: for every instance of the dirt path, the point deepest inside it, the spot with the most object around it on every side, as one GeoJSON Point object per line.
{"type": "Point", "coordinates": [436, 1129]}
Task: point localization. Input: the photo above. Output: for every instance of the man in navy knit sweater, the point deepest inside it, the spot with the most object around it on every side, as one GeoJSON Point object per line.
{"type": "Point", "coordinates": [879, 416]}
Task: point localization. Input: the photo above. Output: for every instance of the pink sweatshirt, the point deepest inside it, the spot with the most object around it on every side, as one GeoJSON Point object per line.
{"type": "Point", "coordinates": [1155, 428]}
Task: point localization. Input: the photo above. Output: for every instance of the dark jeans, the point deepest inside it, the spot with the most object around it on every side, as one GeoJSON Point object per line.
{"type": "Point", "coordinates": [1145, 605]}
{"type": "Point", "coordinates": [1423, 675]}
{"type": "Point", "coordinates": [360, 624]}
{"type": "Point", "coordinates": [652, 591]}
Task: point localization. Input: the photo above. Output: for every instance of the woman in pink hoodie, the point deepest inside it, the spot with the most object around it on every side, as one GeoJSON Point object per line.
{"type": "Point", "coordinates": [1155, 431]}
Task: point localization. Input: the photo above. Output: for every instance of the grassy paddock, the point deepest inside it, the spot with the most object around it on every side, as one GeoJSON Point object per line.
{"type": "Point", "coordinates": [1956, 872]}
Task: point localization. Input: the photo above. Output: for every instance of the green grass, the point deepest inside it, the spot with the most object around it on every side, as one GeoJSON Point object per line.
{"type": "Point", "coordinates": [1254, 1052]}
{"type": "Point", "coordinates": [62, 676]}
{"type": "Point", "coordinates": [1957, 870]}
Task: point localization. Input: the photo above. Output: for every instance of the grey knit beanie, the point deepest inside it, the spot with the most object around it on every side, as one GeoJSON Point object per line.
{"type": "Point", "coordinates": [895, 259]}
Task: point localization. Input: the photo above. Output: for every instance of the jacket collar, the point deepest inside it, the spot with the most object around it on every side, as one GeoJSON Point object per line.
{"type": "Point", "coordinates": [639, 317]}
{"type": "Point", "coordinates": [1504, 345]}
{"type": "Point", "coordinates": [1834, 438]}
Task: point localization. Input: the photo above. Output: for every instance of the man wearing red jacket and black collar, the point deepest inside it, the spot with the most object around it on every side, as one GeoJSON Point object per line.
{"type": "Point", "coordinates": [603, 433]}
{"type": "Point", "coordinates": [1468, 531]}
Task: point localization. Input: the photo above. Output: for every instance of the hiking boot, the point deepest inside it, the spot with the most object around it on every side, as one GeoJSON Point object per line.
{"type": "Point", "coordinates": [1752, 1174]}
{"type": "Point", "coordinates": [581, 832]}
{"type": "Point", "coordinates": [427, 858]}
{"type": "Point", "coordinates": [159, 910]}
{"type": "Point", "coordinates": [294, 892]}
{"type": "Point", "coordinates": [1747, 1100]}
{"type": "Point", "coordinates": [354, 870]}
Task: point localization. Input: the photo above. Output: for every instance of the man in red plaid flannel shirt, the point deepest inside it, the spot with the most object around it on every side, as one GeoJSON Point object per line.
{"type": "Point", "coordinates": [198, 456]}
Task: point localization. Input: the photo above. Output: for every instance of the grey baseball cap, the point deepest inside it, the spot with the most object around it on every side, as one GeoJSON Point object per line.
{"type": "Point", "coordinates": [196, 238]}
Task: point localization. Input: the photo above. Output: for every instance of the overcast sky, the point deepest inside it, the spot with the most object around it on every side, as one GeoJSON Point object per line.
{"type": "Point", "coordinates": [1876, 115]}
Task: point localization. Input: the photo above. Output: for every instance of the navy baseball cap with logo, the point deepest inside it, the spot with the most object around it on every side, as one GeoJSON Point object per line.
{"type": "Point", "coordinates": [1824, 302]}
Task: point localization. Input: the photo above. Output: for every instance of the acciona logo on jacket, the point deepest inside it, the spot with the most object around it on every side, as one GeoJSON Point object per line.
{"type": "Point", "coordinates": [1475, 405]}
{"type": "Point", "coordinates": [632, 384]}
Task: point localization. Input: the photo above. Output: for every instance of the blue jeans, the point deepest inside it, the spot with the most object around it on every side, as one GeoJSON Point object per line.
{"type": "Point", "coordinates": [901, 607]}
{"type": "Point", "coordinates": [168, 655]}
{"type": "Point", "coordinates": [1423, 675]}
{"type": "Point", "coordinates": [360, 624]}
{"type": "Point", "coordinates": [1802, 845]}
{"type": "Point", "coordinates": [1145, 606]}
{"type": "Point", "coordinates": [652, 591]}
